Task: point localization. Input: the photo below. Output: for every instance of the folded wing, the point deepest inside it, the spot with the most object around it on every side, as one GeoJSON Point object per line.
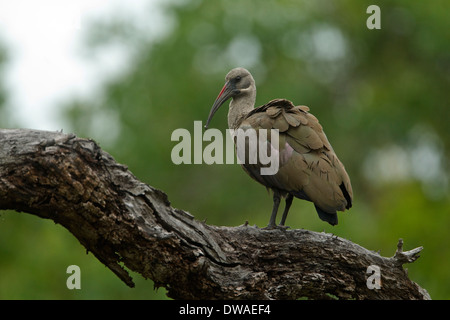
{"type": "Point", "coordinates": [308, 166]}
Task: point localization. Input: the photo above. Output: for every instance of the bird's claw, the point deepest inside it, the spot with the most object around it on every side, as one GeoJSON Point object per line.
{"type": "Point", "coordinates": [276, 227]}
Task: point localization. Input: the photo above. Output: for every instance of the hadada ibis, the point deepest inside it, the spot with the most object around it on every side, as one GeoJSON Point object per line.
{"type": "Point", "coordinates": [308, 166]}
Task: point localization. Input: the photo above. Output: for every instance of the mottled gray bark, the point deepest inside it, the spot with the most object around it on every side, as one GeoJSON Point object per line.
{"type": "Point", "coordinates": [123, 221]}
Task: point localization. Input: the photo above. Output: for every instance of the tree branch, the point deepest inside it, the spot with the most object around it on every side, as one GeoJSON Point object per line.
{"type": "Point", "coordinates": [124, 221]}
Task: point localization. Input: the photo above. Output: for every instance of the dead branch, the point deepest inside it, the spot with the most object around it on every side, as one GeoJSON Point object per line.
{"type": "Point", "coordinates": [124, 221]}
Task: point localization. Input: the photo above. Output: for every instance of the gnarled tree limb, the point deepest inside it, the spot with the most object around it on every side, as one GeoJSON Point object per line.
{"type": "Point", "coordinates": [122, 220]}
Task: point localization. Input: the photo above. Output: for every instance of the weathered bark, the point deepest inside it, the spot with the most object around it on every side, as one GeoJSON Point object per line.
{"type": "Point", "coordinates": [124, 221]}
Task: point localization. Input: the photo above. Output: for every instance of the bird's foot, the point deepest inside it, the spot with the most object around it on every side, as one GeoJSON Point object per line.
{"type": "Point", "coordinates": [270, 226]}
{"type": "Point", "coordinates": [275, 227]}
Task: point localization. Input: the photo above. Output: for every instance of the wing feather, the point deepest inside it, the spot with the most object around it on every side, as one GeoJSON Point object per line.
{"type": "Point", "coordinates": [309, 168]}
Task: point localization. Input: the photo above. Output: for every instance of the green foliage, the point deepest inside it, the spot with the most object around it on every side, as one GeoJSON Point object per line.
{"type": "Point", "coordinates": [370, 89]}
{"type": "Point", "coordinates": [35, 254]}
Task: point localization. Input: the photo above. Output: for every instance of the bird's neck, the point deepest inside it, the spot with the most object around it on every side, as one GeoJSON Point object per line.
{"type": "Point", "coordinates": [240, 106]}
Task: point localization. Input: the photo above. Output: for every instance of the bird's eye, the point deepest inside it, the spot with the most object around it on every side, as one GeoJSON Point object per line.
{"type": "Point", "coordinates": [238, 78]}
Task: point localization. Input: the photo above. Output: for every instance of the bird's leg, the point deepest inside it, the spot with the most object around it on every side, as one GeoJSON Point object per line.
{"type": "Point", "coordinates": [276, 204]}
{"type": "Point", "coordinates": [289, 199]}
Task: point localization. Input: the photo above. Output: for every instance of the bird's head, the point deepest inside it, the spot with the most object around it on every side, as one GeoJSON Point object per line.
{"type": "Point", "coordinates": [238, 83]}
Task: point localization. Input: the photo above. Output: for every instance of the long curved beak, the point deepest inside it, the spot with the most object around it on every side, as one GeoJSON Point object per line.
{"type": "Point", "coordinates": [226, 93]}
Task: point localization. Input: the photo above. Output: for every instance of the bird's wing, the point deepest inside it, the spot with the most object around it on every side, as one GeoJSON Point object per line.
{"type": "Point", "coordinates": [308, 163]}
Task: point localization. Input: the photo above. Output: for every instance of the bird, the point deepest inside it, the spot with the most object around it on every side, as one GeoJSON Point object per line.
{"type": "Point", "coordinates": [309, 169]}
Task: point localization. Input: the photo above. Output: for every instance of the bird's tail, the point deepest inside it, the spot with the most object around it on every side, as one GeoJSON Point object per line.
{"type": "Point", "coordinates": [331, 218]}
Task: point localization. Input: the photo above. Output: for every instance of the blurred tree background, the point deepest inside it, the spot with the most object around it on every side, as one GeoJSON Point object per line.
{"type": "Point", "coordinates": [382, 97]}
